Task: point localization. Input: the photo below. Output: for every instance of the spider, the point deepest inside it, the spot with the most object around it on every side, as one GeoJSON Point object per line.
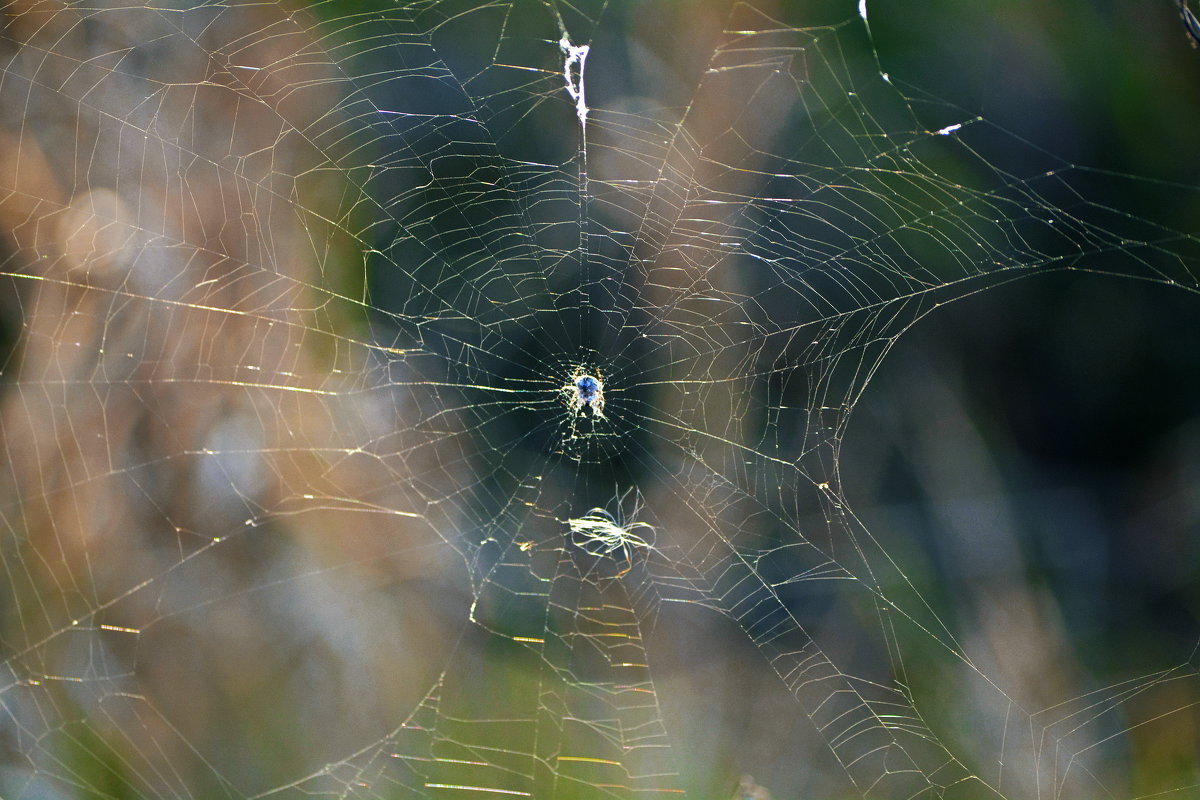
{"type": "Point", "coordinates": [600, 533]}
{"type": "Point", "coordinates": [585, 390]}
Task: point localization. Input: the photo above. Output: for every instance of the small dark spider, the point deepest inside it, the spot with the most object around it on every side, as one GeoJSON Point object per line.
{"type": "Point", "coordinates": [588, 388]}
{"type": "Point", "coordinates": [585, 390]}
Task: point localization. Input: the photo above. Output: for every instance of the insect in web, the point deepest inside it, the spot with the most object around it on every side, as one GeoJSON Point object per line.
{"type": "Point", "coordinates": [602, 533]}
{"type": "Point", "coordinates": [585, 390]}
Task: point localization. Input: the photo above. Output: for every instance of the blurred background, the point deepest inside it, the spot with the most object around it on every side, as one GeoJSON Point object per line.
{"type": "Point", "coordinates": [267, 528]}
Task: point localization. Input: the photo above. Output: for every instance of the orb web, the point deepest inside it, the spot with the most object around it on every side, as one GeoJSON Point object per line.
{"type": "Point", "coordinates": [393, 407]}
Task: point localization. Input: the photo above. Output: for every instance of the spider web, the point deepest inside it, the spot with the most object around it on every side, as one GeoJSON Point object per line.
{"type": "Point", "coordinates": [300, 497]}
